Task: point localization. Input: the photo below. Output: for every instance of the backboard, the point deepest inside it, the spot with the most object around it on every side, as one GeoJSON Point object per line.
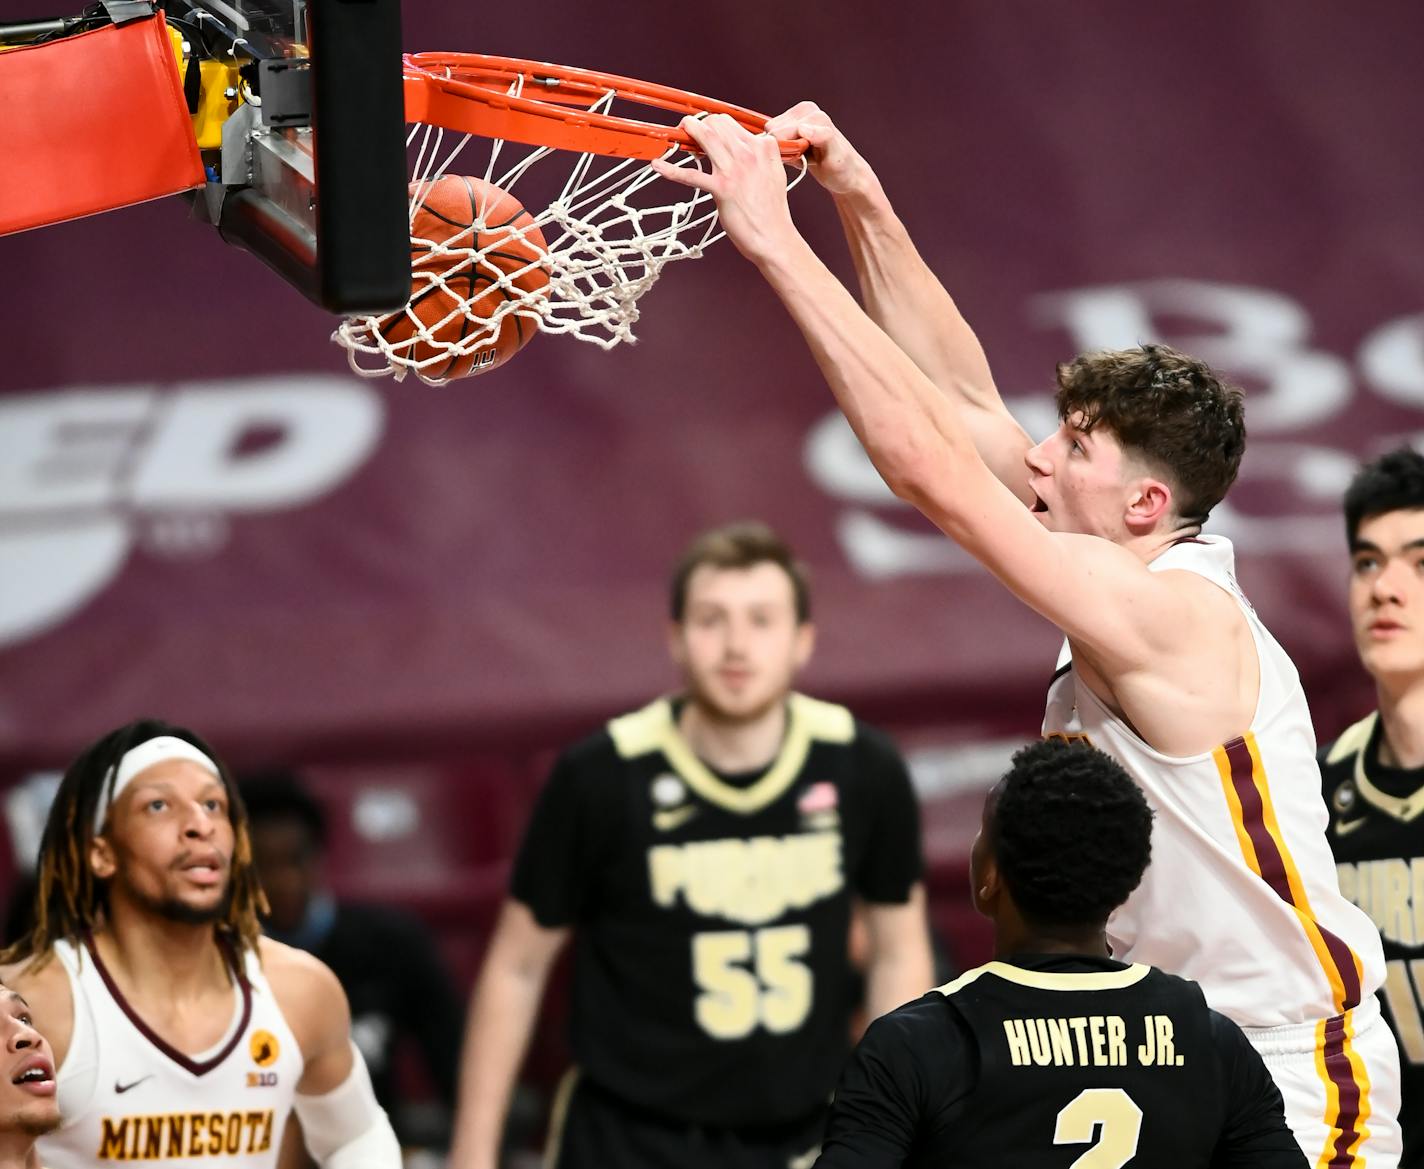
{"type": "Point", "coordinates": [299, 115]}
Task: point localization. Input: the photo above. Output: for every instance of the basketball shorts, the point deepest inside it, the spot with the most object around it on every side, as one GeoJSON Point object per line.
{"type": "Point", "coordinates": [593, 1129]}
{"type": "Point", "coordinates": [1339, 1079]}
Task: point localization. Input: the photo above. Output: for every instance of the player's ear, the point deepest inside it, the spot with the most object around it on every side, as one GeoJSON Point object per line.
{"type": "Point", "coordinates": [983, 876]}
{"type": "Point", "coordinates": [1149, 502]}
{"type": "Point", "coordinates": [805, 643]}
{"type": "Point", "coordinates": [986, 894]}
{"type": "Point", "coordinates": [101, 858]}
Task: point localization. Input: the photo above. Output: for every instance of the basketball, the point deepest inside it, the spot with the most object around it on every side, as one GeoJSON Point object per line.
{"type": "Point", "coordinates": [473, 247]}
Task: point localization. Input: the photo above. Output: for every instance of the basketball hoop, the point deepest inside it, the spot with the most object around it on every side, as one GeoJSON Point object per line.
{"type": "Point", "coordinates": [491, 96]}
{"type": "Point", "coordinates": [608, 226]}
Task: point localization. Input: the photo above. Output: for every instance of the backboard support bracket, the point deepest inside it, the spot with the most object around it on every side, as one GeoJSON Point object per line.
{"type": "Point", "coordinates": [286, 88]}
{"type": "Point", "coordinates": [311, 176]}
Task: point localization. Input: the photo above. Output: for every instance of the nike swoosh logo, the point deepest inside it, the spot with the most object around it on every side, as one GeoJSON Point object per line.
{"type": "Point", "coordinates": [120, 1089]}
{"type": "Point", "coordinates": [675, 818]}
{"type": "Point", "coordinates": [1344, 827]}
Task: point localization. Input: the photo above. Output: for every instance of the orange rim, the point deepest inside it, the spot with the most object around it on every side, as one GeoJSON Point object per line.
{"type": "Point", "coordinates": [469, 93]}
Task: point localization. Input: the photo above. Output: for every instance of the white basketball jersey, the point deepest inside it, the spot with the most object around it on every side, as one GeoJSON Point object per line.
{"type": "Point", "coordinates": [126, 1095]}
{"type": "Point", "coordinates": [1241, 894]}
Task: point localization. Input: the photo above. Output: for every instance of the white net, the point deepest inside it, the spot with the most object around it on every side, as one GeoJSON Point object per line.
{"type": "Point", "coordinates": [606, 230]}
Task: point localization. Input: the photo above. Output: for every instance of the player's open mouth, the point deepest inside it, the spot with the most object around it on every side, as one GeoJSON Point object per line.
{"type": "Point", "coordinates": [204, 870]}
{"type": "Point", "coordinates": [37, 1078]}
{"type": "Point", "coordinates": [1038, 507]}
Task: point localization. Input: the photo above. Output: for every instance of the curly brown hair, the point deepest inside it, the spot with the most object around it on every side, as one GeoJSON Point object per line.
{"type": "Point", "coordinates": [1166, 408]}
{"type": "Point", "coordinates": [69, 899]}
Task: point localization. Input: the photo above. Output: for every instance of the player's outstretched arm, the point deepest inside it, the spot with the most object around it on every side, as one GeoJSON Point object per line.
{"type": "Point", "coordinates": [502, 1013]}
{"type": "Point", "coordinates": [343, 1125]}
{"type": "Point", "coordinates": [904, 297]}
{"type": "Point", "coordinates": [1101, 595]}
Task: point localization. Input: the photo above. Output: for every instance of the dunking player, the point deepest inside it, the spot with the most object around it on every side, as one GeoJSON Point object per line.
{"type": "Point", "coordinates": [1054, 1043]}
{"type": "Point", "coordinates": [29, 1109]}
{"type": "Point", "coordinates": [178, 1032]}
{"type": "Point", "coordinates": [1166, 666]}
{"type": "Point", "coordinates": [703, 851]}
{"type": "Point", "coordinates": [1374, 772]}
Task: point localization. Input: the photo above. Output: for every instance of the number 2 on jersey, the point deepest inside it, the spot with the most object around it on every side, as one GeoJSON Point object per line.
{"type": "Point", "coordinates": [1108, 1114]}
{"type": "Point", "coordinates": [775, 992]}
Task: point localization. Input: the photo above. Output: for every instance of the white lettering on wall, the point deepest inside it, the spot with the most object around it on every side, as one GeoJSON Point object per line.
{"type": "Point", "coordinates": [81, 468]}
{"type": "Point", "coordinates": [1257, 336]}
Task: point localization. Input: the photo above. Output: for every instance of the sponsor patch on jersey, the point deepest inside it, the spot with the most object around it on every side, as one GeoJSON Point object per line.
{"type": "Point", "coordinates": [819, 797]}
{"type": "Point", "coordinates": [668, 790]}
{"type": "Point", "coordinates": [1345, 797]}
{"type": "Point", "coordinates": [264, 1048]}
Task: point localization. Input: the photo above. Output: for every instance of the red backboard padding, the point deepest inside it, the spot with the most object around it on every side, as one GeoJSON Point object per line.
{"type": "Point", "coordinates": [92, 122]}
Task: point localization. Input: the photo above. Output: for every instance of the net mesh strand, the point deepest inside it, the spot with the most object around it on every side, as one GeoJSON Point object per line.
{"type": "Point", "coordinates": [608, 235]}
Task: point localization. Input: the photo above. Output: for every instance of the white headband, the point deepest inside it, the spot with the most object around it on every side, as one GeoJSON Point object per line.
{"type": "Point", "coordinates": [141, 758]}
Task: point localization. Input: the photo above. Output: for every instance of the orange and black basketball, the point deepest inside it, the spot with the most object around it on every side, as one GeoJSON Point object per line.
{"type": "Point", "coordinates": [473, 236]}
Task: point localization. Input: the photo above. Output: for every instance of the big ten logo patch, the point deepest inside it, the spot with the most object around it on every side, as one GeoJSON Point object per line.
{"type": "Point", "coordinates": [264, 1049]}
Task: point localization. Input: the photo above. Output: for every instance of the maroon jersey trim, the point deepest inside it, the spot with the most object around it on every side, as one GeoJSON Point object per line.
{"type": "Point", "coordinates": [192, 1066]}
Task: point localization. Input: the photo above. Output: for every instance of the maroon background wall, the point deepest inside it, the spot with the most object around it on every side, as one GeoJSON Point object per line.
{"type": "Point", "coordinates": [204, 515]}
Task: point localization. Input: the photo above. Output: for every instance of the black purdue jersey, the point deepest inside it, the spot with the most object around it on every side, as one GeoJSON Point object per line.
{"type": "Point", "coordinates": [1048, 1062]}
{"type": "Point", "coordinates": [711, 982]}
{"type": "Point", "coordinates": [1377, 835]}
